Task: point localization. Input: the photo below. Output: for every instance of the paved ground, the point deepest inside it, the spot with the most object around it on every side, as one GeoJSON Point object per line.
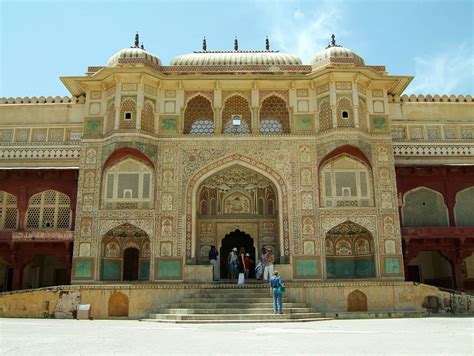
{"type": "Point", "coordinates": [448, 336]}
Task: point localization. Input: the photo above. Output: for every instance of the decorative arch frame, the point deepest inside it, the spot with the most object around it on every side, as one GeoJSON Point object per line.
{"type": "Point", "coordinates": [402, 217]}
{"type": "Point", "coordinates": [198, 178]}
{"type": "Point", "coordinates": [456, 202]}
{"type": "Point", "coordinates": [194, 96]}
{"type": "Point", "coordinates": [278, 95]}
{"type": "Point", "coordinates": [249, 106]}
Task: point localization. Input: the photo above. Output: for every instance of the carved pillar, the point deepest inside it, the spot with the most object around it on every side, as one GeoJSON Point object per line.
{"type": "Point", "coordinates": [355, 104]}
{"type": "Point", "coordinates": [118, 99]}
{"type": "Point", "coordinates": [450, 200]}
{"type": "Point", "coordinates": [22, 208]}
{"type": "Point", "coordinates": [333, 102]}
{"type": "Point", "coordinates": [217, 120]}
{"type": "Point", "coordinates": [255, 121]}
{"type": "Point", "coordinates": [140, 99]}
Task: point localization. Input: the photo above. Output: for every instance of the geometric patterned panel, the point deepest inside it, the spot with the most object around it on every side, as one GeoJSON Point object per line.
{"type": "Point", "coordinates": [236, 105]}
{"type": "Point", "coordinates": [344, 106]}
{"type": "Point", "coordinates": [274, 108]}
{"type": "Point", "coordinates": [49, 210]}
{"type": "Point", "coordinates": [325, 115]}
{"type": "Point", "coordinates": [8, 211]}
{"type": "Point", "coordinates": [148, 116]}
{"type": "Point", "coordinates": [130, 107]}
{"type": "Point", "coordinates": [198, 108]}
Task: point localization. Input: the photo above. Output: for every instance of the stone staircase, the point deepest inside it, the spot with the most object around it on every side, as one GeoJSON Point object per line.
{"type": "Point", "coordinates": [232, 304]}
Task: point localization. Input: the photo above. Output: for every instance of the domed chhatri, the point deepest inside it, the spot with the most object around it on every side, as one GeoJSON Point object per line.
{"type": "Point", "coordinates": [235, 57]}
{"type": "Point", "coordinates": [135, 54]}
{"type": "Point", "coordinates": [336, 54]}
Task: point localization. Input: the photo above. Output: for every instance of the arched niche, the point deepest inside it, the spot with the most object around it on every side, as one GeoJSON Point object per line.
{"type": "Point", "coordinates": [350, 252]}
{"type": "Point", "coordinates": [125, 254]}
{"type": "Point", "coordinates": [424, 207]}
{"type": "Point", "coordinates": [199, 116]}
{"type": "Point", "coordinates": [118, 305]}
{"type": "Point", "coordinates": [463, 210]}
{"type": "Point", "coordinates": [356, 301]}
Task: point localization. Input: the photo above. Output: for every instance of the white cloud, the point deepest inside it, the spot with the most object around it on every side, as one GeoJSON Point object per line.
{"type": "Point", "coordinates": [298, 14]}
{"type": "Point", "coordinates": [444, 73]}
{"type": "Point", "coordinates": [303, 32]}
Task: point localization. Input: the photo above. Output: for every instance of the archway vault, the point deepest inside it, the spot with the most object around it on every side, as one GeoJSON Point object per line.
{"type": "Point", "coordinates": [192, 204]}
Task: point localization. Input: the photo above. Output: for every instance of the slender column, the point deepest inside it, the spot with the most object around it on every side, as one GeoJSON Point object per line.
{"type": "Point", "coordinates": [355, 104]}
{"type": "Point", "coordinates": [332, 102]}
{"type": "Point", "coordinates": [117, 106]}
{"type": "Point", "coordinates": [255, 121]}
{"type": "Point", "coordinates": [140, 102]}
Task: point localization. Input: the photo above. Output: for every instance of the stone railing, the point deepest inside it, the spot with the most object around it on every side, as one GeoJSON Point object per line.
{"type": "Point", "coordinates": [67, 152]}
{"type": "Point", "coordinates": [44, 100]}
{"type": "Point", "coordinates": [434, 150]}
{"type": "Point", "coordinates": [430, 98]}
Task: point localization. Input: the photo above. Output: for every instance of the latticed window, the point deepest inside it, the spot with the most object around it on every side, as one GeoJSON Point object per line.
{"type": "Point", "coordinates": [128, 114]}
{"type": "Point", "coordinates": [274, 109]}
{"type": "Point", "coordinates": [8, 211]}
{"type": "Point", "coordinates": [128, 184]}
{"type": "Point", "coordinates": [202, 127]}
{"type": "Point", "coordinates": [271, 126]}
{"type": "Point", "coordinates": [345, 114]}
{"type": "Point", "coordinates": [236, 115]}
{"type": "Point", "coordinates": [49, 210]}
{"type": "Point", "coordinates": [362, 115]}
{"type": "Point", "coordinates": [110, 117]}
{"type": "Point", "coordinates": [199, 116]}
{"type": "Point", "coordinates": [346, 182]}
{"type": "Point", "coordinates": [148, 116]}
{"type": "Point", "coordinates": [325, 115]}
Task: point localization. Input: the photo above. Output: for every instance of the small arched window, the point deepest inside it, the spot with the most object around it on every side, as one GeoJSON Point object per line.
{"type": "Point", "coordinates": [49, 210]}
{"type": "Point", "coordinates": [128, 184]}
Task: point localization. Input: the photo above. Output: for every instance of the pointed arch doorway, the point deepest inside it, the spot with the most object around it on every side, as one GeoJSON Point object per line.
{"type": "Point", "coordinates": [236, 239]}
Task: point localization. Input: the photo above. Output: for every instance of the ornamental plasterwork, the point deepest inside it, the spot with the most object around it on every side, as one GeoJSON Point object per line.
{"type": "Point", "coordinates": [106, 225]}
{"type": "Point", "coordinates": [226, 94]}
{"type": "Point", "coordinates": [369, 222]}
{"type": "Point", "coordinates": [238, 175]}
{"type": "Point", "coordinates": [189, 94]}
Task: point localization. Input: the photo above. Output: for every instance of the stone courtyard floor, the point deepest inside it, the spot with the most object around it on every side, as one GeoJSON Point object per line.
{"type": "Point", "coordinates": [448, 336]}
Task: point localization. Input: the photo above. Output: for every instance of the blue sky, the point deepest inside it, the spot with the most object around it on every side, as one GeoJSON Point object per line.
{"type": "Point", "coordinates": [43, 40]}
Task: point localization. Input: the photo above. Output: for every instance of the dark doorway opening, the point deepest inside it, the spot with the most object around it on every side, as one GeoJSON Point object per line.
{"type": "Point", "coordinates": [130, 264]}
{"type": "Point", "coordinates": [414, 274]}
{"type": "Point", "coordinates": [236, 239]}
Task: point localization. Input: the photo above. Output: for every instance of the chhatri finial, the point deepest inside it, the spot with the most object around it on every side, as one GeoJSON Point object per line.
{"type": "Point", "coordinates": [137, 41]}
{"type": "Point", "coordinates": [267, 44]}
{"type": "Point", "coordinates": [142, 47]}
{"type": "Point", "coordinates": [236, 44]}
{"type": "Point", "coordinates": [204, 44]}
{"type": "Point", "coordinates": [333, 40]}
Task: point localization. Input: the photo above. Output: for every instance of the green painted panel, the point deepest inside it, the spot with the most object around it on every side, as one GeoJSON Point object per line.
{"type": "Point", "coordinates": [111, 270]}
{"type": "Point", "coordinates": [168, 124]}
{"type": "Point", "coordinates": [306, 267]}
{"type": "Point", "coordinates": [392, 265]}
{"type": "Point", "coordinates": [93, 126]}
{"type": "Point", "coordinates": [379, 123]}
{"type": "Point", "coordinates": [365, 267]}
{"type": "Point", "coordinates": [83, 269]}
{"type": "Point", "coordinates": [304, 123]}
{"type": "Point", "coordinates": [145, 270]}
{"type": "Point", "coordinates": [168, 269]}
{"type": "Point", "coordinates": [350, 267]}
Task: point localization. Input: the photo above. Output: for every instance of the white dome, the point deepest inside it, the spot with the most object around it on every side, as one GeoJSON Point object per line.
{"type": "Point", "coordinates": [219, 58]}
{"type": "Point", "coordinates": [133, 55]}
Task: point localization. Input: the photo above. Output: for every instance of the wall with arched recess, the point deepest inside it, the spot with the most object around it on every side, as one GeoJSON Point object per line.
{"type": "Point", "coordinates": [356, 301]}
{"type": "Point", "coordinates": [118, 305]}
{"type": "Point", "coordinates": [192, 204]}
{"type": "Point", "coordinates": [423, 207]}
{"type": "Point", "coordinates": [464, 208]}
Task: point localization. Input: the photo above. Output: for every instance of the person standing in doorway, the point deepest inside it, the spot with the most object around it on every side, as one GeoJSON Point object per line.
{"type": "Point", "coordinates": [268, 265]}
{"type": "Point", "coordinates": [232, 262]}
{"type": "Point", "coordinates": [213, 253]}
{"type": "Point", "coordinates": [247, 264]}
{"type": "Point", "coordinates": [260, 266]}
{"type": "Point", "coordinates": [275, 287]}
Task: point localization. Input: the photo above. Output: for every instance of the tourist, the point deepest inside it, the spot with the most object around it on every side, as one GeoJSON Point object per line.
{"type": "Point", "coordinates": [275, 288]}
{"type": "Point", "coordinates": [213, 253]}
{"type": "Point", "coordinates": [248, 262]}
{"type": "Point", "coordinates": [232, 262]}
{"type": "Point", "coordinates": [260, 266]}
{"type": "Point", "coordinates": [241, 266]}
{"type": "Point", "coordinates": [268, 265]}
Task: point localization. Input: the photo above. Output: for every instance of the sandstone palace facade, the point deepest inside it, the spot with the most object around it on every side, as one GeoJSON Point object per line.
{"type": "Point", "coordinates": [146, 166]}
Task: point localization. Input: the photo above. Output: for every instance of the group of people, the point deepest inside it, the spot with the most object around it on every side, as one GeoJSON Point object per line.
{"type": "Point", "coordinates": [240, 262]}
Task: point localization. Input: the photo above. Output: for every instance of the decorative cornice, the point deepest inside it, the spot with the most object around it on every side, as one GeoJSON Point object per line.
{"type": "Point", "coordinates": [430, 98]}
{"type": "Point", "coordinates": [42, 100]}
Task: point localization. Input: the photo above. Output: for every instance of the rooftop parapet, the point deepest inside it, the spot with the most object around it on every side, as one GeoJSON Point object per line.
{"type": "Point", "coordinates": [44, 100]}
{"type": "Point", "coordinates": [430, 98]}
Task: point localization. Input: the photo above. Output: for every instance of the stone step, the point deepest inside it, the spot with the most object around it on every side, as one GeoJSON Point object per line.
{"type": "Point", "coordinates": [230, 300]}
{"type": "Point", "coordinates": [235, 321]}
{"type": "Point", "coordinates": [235, 316]}
{"type": "Point", "coordinates": [265, 291]}
{"type": "Point", "coordinates": [208, 305]}
{"type": "Point", "coordinates": [232, 311]}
